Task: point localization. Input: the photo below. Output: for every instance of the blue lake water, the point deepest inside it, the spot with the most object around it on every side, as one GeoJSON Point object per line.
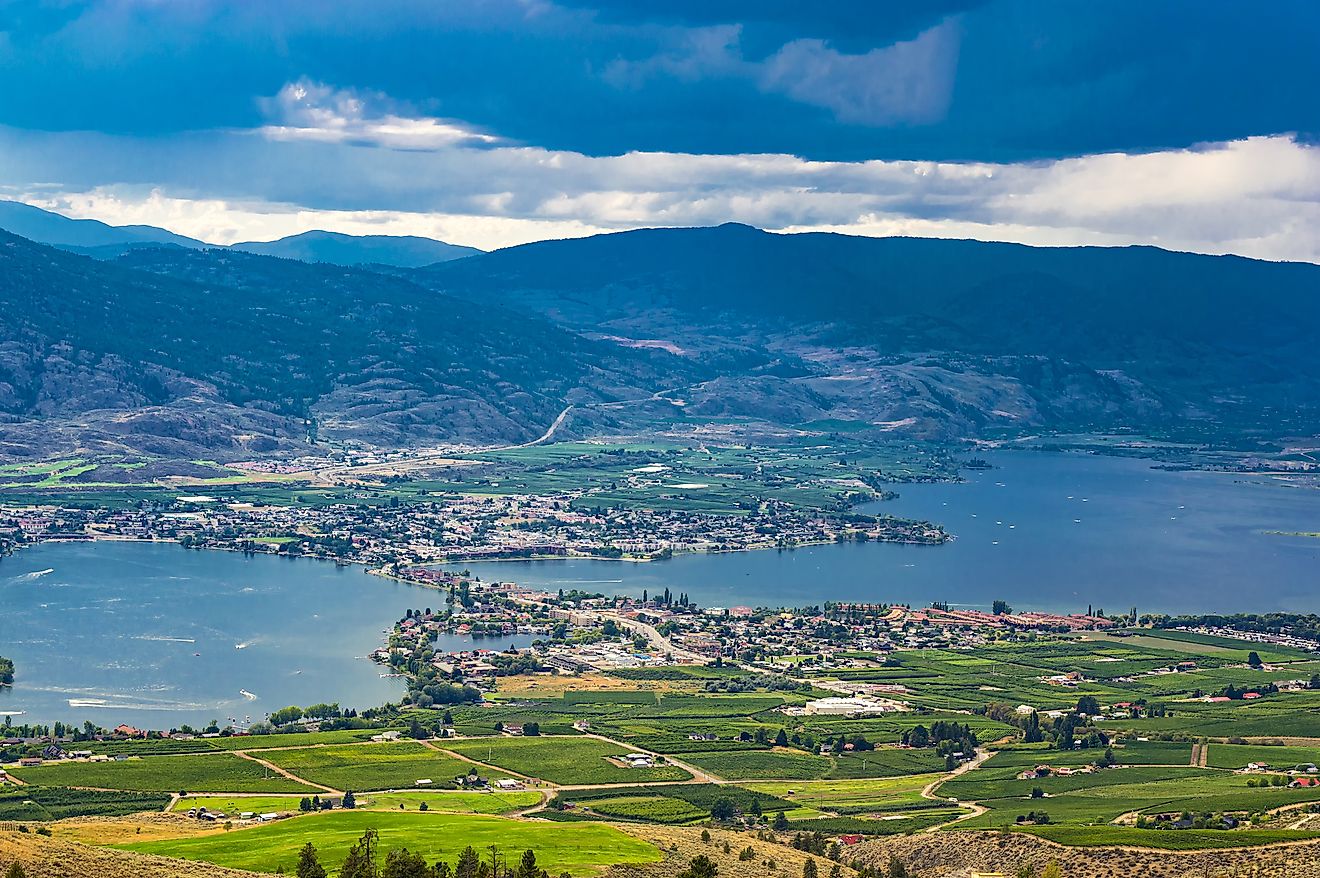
{"type": "Point", "coordinates": [1043, 531]}
{"type": "Point", "coordinates": [157, 635]}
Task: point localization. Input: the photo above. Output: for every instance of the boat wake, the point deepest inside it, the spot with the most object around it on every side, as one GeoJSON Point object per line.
{"type": "Point", "coordinates": [248, 695]}
{"type": "Point", "coordinates": [35, 574]}
{"type": "Point", "coordinates": [165, 638]}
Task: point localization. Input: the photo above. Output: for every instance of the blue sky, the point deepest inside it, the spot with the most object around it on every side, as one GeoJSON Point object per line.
{"type": "Point", "coordinates": [490, 122]}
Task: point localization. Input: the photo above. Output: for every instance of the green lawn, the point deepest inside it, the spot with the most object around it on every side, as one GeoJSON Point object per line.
{"type": "Point", "coordinates": [214, 772]}
{"type": "Point", "coordinates": [370, 766]}
{"type": "Point", "coordinates": [576, 848]}
{"type": "Point", "coordinates": [568, 760]}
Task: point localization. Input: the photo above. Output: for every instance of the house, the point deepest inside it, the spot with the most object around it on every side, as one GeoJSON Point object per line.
{"type": "Point", "coordinates": [127, 731]}
{"type": "Point", "coordinates": [637, 760]}
{"type": "Point", "coordinates": [703, 736]}
{"type": "Point", "coordinates": [513, 728]}
{"type": "Point", "coordinates": [508, 783]}
{"type": "Point", "coordinates": [849, 839]}
{"type": "Point", "coordinates": [423, 782]}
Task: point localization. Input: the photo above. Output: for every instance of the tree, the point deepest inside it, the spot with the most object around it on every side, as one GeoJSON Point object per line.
{"type": "Point", "coordinates": [468, 863]}
{"type": "Point", "coordinates": [350, 802]}
{"type": "Point", "coordinates": [361, 859]}
{"type": "Point", "coordinates": [527, 867]}
{"type": "Point", "coordinates": [1052, 870]}
{"type": "Point", "coordinates": [308, 864]}
{"type": "Point", "coordinates": [1026, 870]}
{"type": "Point", "coordinates": [1089, 705]}
{"type": "Point", "coordinates": [701, 866]}
{"type": "Point", "coordinates": [532, 729]}
{"type": "Point", "coordinates": [305, 804]}
{"type": "Point", "coordinates": [897, 868]}
{"type": "Point", "coordinates": [809, 868]}
{"type": "Point", "coordinates": [1001, 608]}
{"type": "Point", "coordinates": [402, 864]}
{"type": "Point", "coordinates": [15, 870]}
{"type": "Point", "coordinates": [781, 739]}
{"type": "Point", "coordinates": [722, 810]}
{"type": "Point", "coordinates": [1253, 659]}
{"type": "Point", "coordinates": [781, 822]}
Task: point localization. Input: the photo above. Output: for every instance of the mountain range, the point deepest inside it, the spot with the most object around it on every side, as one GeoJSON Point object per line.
{"type": "Point", "coordinates": [97, 239]}
{"type": "Point", "coordinates": [176, 350]}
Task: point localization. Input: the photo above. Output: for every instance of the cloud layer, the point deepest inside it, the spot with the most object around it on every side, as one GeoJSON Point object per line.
{"type": "Point", "coordinates": [506, 121]}
{"type": "Point", "coordinates": [361, 163]}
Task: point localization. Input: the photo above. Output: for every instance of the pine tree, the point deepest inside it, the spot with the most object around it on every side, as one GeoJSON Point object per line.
{"type": "Point", "coordinates": [15, 870]}
{"type": "Point", "coordinates": [809, 868]}
{"type": "Point", "coordinates": [308, 864]}
{"type": "Point", "coordinates": [468, 862]}
{"type": "Point", "coordinates": [402, 864]}
{"type": "Point", "coordinates": [527, 867]}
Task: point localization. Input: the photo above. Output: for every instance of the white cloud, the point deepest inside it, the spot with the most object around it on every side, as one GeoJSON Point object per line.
{"type": "Point", "coordinates": [307, 110]}
{"type": "Point", "coordinates": [360, 164]}
{"type": "Point", "coordinates": [906, 83]}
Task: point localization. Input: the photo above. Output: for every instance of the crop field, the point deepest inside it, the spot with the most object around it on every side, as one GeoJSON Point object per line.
{"type": "Point", "coordinates": [1238, 755]}
{"type": "Point", "coordinates": [851, 796]}
{"type": "Point", "coordinates": [679, 803]}
{"type": "Point", "coordinates": [55, 803]}
{"type": "Point", "coordinates": [453, 802]}
{"type": "Point", "coordinates": [360, 767]}
{"type": "Point", "coordinates": [562, 760]}
{"type": "Point", "coordinates": [217, 772]}
{"type": "Point", "coordinates": [579, 849]}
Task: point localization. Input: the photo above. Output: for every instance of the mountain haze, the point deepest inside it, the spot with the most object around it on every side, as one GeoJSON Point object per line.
{"type": "Point", "coordinates": [97, 239]}
{"type": "Point", "coordinates": [406, 251]}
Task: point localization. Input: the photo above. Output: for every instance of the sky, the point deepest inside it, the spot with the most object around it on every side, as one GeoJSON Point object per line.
{"type": "Point", "coordinates": [1187, 125]}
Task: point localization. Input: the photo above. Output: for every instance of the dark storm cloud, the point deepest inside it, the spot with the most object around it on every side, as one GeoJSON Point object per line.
{"type": "Point", "coordinates": [1000, 80]}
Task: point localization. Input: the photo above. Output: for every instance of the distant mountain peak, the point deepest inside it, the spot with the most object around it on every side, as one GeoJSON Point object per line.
{"type": "Point", "coordinates": [95, 238]}
{"type": "Point", "coordinates": [338, 248]}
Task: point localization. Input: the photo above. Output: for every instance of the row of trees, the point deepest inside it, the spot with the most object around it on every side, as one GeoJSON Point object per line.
{"type": "Point", "coordinates": [363, 861]}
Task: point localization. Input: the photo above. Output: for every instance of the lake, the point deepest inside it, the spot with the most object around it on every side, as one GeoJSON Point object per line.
{"type": "Point", "coordinates": [157, 635]}
{"type": "Point", "coordinates": [1043, 531]}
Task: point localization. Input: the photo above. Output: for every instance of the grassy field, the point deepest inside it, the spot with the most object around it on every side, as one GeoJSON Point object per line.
{"type": "Point", "coordinates": [217, 772]}
{"type": "Point", "coordinates": [576, 848]}
{"type": "Point", "coordinates": [562, 760]}
{"type": "Point", "coordinates": [1238, 755]}
{"type": "Point", "coordinates": [784, 763]}
{"type": "Point", "coordinates": [454, 802]}
{"type": "Point", "coordinates": [371, 766]}
{"type": "Point", "coordinates": [850, 796]}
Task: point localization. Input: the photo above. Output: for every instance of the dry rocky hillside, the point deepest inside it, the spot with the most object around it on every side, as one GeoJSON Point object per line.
{"type": "Point", "coordinates": [43, 857]}
{"type": "Point", "coordinates": [962, 854]}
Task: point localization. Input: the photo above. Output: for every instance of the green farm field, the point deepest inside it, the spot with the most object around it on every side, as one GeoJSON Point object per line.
{"type": "Point", "coordinates": [579, 849]}
{"type": "Point", "coordinates": [563, 760]}
{"type": "Point", "coordinates": [216, 772]}
{"type": "Point", "coordinates": [371, 766]}
{"type": "Point", "coordinates": [452, 802]}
